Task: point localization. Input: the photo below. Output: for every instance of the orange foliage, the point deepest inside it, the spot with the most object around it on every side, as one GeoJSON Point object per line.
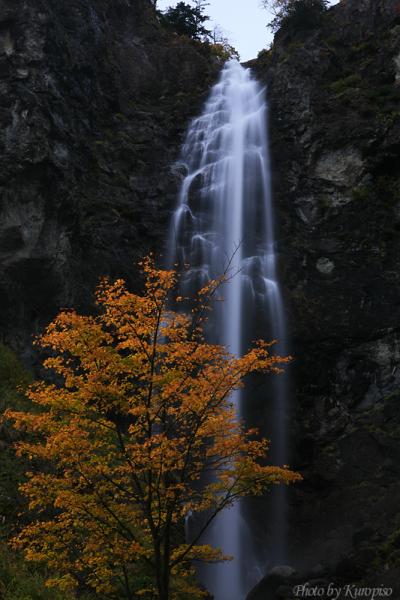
{"type": "Point", "coordinates": [140, 415]}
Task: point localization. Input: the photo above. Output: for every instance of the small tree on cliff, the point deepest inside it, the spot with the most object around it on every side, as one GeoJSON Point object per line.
{"type": "Point", "coordinates": [187, 20]}
{"type": "Point", "coordinates": [139, 415]}
{"type": "Point", "coordinates": [299, 14]}
{"type": "Point", "coordinates": [220, 45]}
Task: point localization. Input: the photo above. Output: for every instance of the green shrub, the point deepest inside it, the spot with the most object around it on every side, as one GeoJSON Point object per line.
{"type": "Point", "coordinates": [19, 581]}
{"type": "Point", "coordinates": [346, 83]}
{"type": "Point", "coordinates": [383, 94]}
{"type": "Point", "coordinates": [264, 58]}
{"type": "Point", "coordinates": [13, 379]}
{"type": "Point", "coordinates": [361, 193]}
{"type": "Point", "coordinates": [388, 189]}
{"type": "Point", "coordinates": [12, 372]}
{"type": "Point", "coordinates": [364, 47]}
{"type": "Point", "coordinates": [295, 14]}
{"type": "Point", "coordinates": [333, 41]}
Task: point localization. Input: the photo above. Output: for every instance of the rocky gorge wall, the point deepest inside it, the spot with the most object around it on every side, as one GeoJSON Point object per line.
{"type": "Point", "coordinates": [334, 96]}
{"type": "Point", "coordinates": [94, 100]}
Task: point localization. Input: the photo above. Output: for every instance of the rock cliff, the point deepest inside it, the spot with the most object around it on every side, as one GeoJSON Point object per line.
{"type": "Point", "coordinates": [335, 134]}
{"type": "Point", "coordinates": [94, 100]}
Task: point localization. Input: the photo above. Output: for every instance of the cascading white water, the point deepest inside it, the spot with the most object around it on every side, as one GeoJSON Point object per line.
{"type": "Point", "coordinates": [225, 214]}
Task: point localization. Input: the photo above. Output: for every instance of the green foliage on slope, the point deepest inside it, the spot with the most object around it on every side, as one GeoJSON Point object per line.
{"type": "Point", "coordinates": [296, 14]}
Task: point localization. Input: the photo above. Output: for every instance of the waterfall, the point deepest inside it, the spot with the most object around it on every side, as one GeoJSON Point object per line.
{"type": "Point", "coordinates": [225, 214]}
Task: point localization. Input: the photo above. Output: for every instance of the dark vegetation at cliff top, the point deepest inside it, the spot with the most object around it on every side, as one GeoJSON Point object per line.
{"type": "Point", "coordinates": [296, 15]}
{"type": "Point", "coordinates": [190, 21]}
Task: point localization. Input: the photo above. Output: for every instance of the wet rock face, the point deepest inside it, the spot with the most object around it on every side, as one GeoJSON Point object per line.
{"type": "Point", "coordinates": [335, 130]}
{"type": "Point", "coordinates": [94, 100]}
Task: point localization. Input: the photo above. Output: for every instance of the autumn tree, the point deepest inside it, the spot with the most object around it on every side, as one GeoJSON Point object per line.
{"type": "Point", "coordinates": [136, 430]}
{"type": "Point", "coordinates": [299, 14]}
{"type": "Point", "coordinates": [221, 46]}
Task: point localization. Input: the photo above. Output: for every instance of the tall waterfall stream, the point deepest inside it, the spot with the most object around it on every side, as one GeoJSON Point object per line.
{"type": "Point", "coordinates": [225, 213]}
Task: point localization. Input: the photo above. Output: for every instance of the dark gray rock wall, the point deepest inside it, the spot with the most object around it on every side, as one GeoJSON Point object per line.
{"type": "Point", "coordinates": [94, 100]}
{"type": "Point", "coordinates": [335, 128]}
